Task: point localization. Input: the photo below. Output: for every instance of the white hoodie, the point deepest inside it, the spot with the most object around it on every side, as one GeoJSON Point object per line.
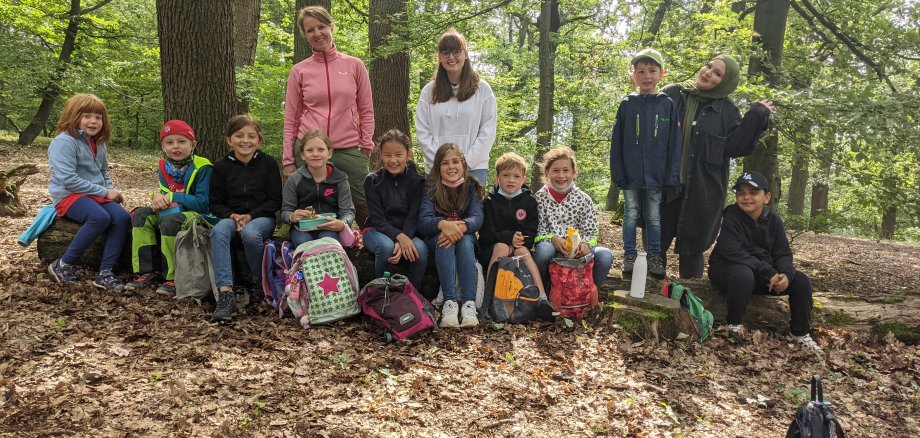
{"type": "Point", "coordinates": [470, 124]}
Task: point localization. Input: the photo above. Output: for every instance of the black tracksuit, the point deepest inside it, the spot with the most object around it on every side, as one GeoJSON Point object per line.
{"type": "Point", "coordinates": [502, 217]}
{"type": "Point", "coordinates": [393, 201]}
{"type": "Point", "coordinates": [747, 254]}
{"type": "Point", "coordinates": [252, 188]}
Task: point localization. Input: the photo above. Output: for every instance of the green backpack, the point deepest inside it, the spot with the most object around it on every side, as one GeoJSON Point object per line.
{"type": "Point", "coordinates": [702, 318]}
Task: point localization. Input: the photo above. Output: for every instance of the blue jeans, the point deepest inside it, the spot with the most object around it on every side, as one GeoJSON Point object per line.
{"type": "Point", "coordinates": [382, 248]}
{"type": "Point", "coordinates": [298, 237]}
{"type": "Point", "coordinates": [253, 237]}
{"type": "Point", "coordinates": [456, 260]}
{"type": "Point", "coordinates": [96, 219]}
{"type": "Point", "coordinates": [481, 175]}
{"type": "Point", "coordinates": [650, 203]}
{"type": "Point", "coordinates": [544, 252]}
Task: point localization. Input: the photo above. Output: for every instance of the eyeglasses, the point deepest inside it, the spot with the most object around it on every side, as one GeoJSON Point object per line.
{"type": "Point", "coordinates": [446, 54]}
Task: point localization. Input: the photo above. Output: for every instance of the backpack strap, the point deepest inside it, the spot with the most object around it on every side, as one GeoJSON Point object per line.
{"type": "Point", "coordinates": [817, 392]}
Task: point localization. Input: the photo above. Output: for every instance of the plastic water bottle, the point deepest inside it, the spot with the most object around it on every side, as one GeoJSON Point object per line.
{"type": "Point", "coordinates": [640, 269]}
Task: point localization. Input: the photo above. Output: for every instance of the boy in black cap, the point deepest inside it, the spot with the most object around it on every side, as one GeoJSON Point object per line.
{"type": "Point", "coordinates": [752, 255]}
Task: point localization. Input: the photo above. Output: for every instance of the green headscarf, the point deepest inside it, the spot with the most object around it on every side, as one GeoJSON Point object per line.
{"type": "Point", "coordinates": [695, 96]}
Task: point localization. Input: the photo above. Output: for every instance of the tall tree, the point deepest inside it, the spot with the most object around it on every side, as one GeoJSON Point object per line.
{"type": "Point", "coordinates": [245, 39]}
{"type": "Point", "coordinates": [302, 49]}
{"type": "Point", "coordinates": [52, 89]}
{"type": "Point", "coordinates": [196, 59]}
{"type": "Point", "coordinates": [770, 32]}
{"type": "Point", "coordinates": [548, 24]}
{"type": "Point", "coordinates": [820, 188]}
{"type": "Point", "coordinates": [389, 70]}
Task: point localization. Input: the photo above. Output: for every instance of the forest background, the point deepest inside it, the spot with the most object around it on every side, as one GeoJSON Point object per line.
{"type": "Point", "coordinates": [844, 74]}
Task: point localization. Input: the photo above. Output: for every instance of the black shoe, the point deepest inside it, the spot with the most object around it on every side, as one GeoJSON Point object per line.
{"type": "Point", "coordinates": [226, 307]}
{"type": "Point", "coordinates": [62, 273]}
{"type": "Point", "coordinates": [545, 311]}
{"type": "Point", "coordinates": [628, 262]}
{"type": "Point", "coordinates": [656, 266]}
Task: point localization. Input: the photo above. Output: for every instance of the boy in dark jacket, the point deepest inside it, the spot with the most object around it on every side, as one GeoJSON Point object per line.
{"type": "Point", "coordinates": [752, 255]}
{"type": "Point", "coordinates": [645, 157]}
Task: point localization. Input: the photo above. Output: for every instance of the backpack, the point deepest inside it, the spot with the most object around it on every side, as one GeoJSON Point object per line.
{"type": "Point", "coordinates": [702, 318]}
{"type": "Point", "coordinates": [194, 268]}
{"type": "Point", "coordinates": [510, 292]}
{"type": "Point", "coordinates": [480, 289]}
{"type": "Point", "coordinates": [395, 309]}
{"type": "Point", "coordinates": [324, 283]}
{"type": "Point", "coordinates": [572, 291]}
{"type": "Point", "coordinates": [815, 419]}
{"type": "Point", "coordinates": [276, 261]}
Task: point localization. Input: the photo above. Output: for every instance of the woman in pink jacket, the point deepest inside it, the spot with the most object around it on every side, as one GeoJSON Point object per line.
{"type": "Point", "coordinates": [330, 92]}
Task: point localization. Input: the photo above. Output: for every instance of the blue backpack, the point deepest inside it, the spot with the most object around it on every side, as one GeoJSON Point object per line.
{"type": "Point", "coordinates": [276, 261]}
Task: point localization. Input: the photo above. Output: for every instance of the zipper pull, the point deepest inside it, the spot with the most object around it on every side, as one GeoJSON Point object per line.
{"type": "Point", "coordinates": [656, 126]}
{"type": "Point", "coordinates": [637, 129]}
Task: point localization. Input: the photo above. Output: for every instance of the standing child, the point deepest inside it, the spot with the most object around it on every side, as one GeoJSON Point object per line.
{"type": "Point", "coordinates": [752, 256]}
{"type": "Point", "coordinates": [645, 157]}
{"type": "Point", "coordinates": [82, 191]}
{"type": "Point", "coordinates": [245, 195]}
{"type": "Point", "coordinates": [393, 194]}
{"type": "Point", "coordinates": [449, 215]}
{"type": "Point", "coordinates": [316, 189]}
{"type": "Point", "coordinates": [511, 217]}
{"type": "Point", "coordinates": [564, 205]}
{"type": "Point", "coordinates": [184, 178]}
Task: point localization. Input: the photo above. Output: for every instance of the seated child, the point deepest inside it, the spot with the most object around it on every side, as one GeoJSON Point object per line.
{"type": "Point", "coordinates": [82, 191]}
{"type": "Point", "coordinates": [510, 219]}
{"type": "Point", "coordinates": [449, 216]}
{"type": "Point", "coordinates": [752, 256]}
{"type": "Point", "coordinates": [245, 195]}
{"type": "Point", "coordinates": [315, 189]}
{"type": "Point", "coordinates": [393, 193]}
{"type": "Point", "coordinates": [184, 181]}
{"type": "Point", "coordinates": [563, 205]}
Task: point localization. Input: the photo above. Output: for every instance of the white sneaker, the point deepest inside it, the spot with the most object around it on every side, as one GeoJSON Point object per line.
{"type": "Point", "coordinates": [737, 329]}
{"type": "Point", "coordinates": [449, 314]}
{"type": "Point", "coordinates": [807, 341]}
{"type": "Point", "coordinates": [469, 315]}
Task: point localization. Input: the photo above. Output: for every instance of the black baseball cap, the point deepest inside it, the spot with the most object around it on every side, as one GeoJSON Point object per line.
{"type": "Point", "coordinates": [753, 179]}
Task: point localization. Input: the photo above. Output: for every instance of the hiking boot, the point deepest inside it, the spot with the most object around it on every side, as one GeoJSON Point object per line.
{"type": "Point", "coordinates": [469, 315]}
{"type": "Point", "coordinates": [144, 280]}
{"type": "Point", "coordinates": [629, 260]}
{"type": "Point", "coordinates": [449, 314]}
{"type": "Point", "coordinates": [545, 311]}
{"type": "Point", "coordinates": [656, 266]}
{"type": "Point", "coordinates": [806, 341]}
{"type": "Point", "coordinates": [226, 307]}
{"type": "Point", "coordinates": [62, 273]}
{"type": "Point", "coordinates": [167, 288]}
{"type": "Point", "coordinates": [106, 280]}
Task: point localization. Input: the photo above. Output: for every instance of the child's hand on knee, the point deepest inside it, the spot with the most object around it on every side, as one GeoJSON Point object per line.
{"type": "Point", "coordinates": [518, 240]}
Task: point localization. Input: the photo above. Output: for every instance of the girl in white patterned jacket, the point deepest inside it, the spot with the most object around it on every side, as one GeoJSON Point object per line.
{"type": "Point", "coordinates": [562, 205]}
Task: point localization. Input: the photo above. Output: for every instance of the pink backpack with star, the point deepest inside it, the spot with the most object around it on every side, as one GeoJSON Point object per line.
{"type": "Point", "coordinates": [323, 285]}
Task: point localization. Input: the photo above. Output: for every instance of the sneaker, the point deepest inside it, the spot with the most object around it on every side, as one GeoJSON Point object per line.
{"type": "Point", "coordinates": [144, 280]}
{"type": "Point", "coordinates": [468, 312]}
{"type": "Point", "coordinates": [807, 341]}
{"type": "Point", "coordinates": [167, 288]}
{"type": "Point", "coordinates": [449, 314]}
{"type": "Point", "coordinates": [62, 273]}
{"type": "Point", "coordinates": [734, 332]}
{"type": "Point", "coordinates": [656, 266]}
{"type": "Point", "coordinates": [108, 281]}
{"type": "Point", "coordinates": [226, 307]}
{"type": "Point", "coordinates": [628, 262]}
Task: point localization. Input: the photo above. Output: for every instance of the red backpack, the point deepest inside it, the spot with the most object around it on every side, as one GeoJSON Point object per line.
{"type": "Point", "coordinates": [395, 309]}
{"type": "Point", "coordinates": [572, 291]}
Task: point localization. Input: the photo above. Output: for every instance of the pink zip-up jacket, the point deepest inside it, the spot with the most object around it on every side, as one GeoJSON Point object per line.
{"type": "Point", "coordinates": [330, 92]}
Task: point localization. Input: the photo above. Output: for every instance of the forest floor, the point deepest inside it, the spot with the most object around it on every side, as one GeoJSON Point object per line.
{"type": "Point", "coordinates": [75, 361]}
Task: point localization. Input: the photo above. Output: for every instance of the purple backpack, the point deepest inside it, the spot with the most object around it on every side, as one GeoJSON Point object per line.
{"type": "Point", "coordinates": [395, 309]}
{"type": "Point", "coordinates": [276, 261]}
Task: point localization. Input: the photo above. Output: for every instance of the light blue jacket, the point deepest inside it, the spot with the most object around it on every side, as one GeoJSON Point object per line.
{"type": "Point", "coordinates": [75, 170]}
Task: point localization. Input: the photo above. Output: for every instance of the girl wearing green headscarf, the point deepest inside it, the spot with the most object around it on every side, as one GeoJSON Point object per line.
{"type": "Point", "coordinates": [713, 132]}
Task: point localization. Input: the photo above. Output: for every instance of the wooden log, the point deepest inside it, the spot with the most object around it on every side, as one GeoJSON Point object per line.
{"type": "Point", "coordinates": [55, 240]}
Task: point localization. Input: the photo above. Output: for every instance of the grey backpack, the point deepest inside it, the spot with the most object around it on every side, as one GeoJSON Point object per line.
{"type": "Point", "coordinates": [194, 268]}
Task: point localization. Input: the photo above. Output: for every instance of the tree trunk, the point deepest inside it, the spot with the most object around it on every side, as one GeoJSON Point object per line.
{"type": "Point", "coordinates": [820, 189]}
{"type": "Point", "coordinates": [302, 49]}
{"type": "Point", "coordinates": [548, 24]}
{"type": "Point", "coordinates": [52, 89]}
{"type": "Point", "coordinates": [389, 65]}
{"type": "Point", "coordinates": [246, 14]}
{"type": "Point", "coordinates": [657, 19]}
{"type": "Point", "coordinates": [797, 185]}
{"type": "Point", "coordinates": [770, 30]}
{"type": "Point", "coordinates": [196, 60]}
{"type": "Point", "coordinates": [889, 222]}
{"type": "Point", "coordinates": [10, 181]}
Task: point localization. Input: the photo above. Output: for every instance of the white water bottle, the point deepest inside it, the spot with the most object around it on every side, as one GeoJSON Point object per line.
{"type": "Point", "coordinates": [640, 269]}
